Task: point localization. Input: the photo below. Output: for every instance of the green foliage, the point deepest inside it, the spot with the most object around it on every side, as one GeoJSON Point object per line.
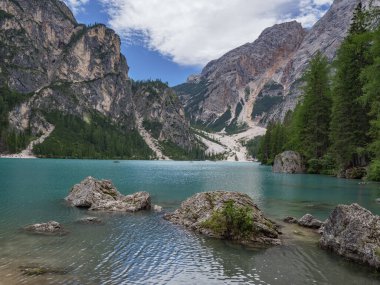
{"type": "Point", "coordinates": [314, 112]}
{"type": "Point", "coordinates": [153, 87]}
{"type": "Point", "coordinates": [235, 128]}
{"type": "Point", "coordinates": [176, 152]}
{"type": "Point", "coordinates": [349, 121]}
{"type": "Point", "coordinates": [325, 165]}
{"type": "Point", "coordinates": [374, 171]}
{"type": "Point", "coordinates": [196, 91]}
{"type": "Point", "coordinates": [264, 104]}
{"type": "Point", "coordinates": [99, 139]}
{"type": "Point", "coordinates": [272, 143]}
{"type": "Point", "coordinates": [4, 15]}
{"type": "Point", "coordinates": [253, 146]}
{"type": "Point", "coordinates": [371, 94]}
{"type": "Point", "coordinates": [231, 222]}
{"type": "Point", "coordinates": [153, 127]}
{"type": "Point", "coordinates": [221, 122]}
{"type": "Point", "coordinates": [11, 140]}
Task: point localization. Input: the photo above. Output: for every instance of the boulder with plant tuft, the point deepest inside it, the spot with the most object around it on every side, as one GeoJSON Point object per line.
{"type": "Point", "coordinates": [226, 215]}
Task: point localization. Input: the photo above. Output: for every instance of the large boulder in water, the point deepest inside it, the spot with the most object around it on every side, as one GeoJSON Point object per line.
{"type": "Point", "coordinates": [289, 162]}
{"type": "Point", "coordinates": [353, 232]}
{"type": "Point", "coordinates": [226, 215]}
{"type": "Point", "coordinates": [101, 195]}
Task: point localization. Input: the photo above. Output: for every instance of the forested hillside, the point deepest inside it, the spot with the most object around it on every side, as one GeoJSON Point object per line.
{"type": "Point", "coordinates": [336, 126]}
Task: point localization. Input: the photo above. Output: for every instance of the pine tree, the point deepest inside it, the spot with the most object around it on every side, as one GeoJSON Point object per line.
{"type": "Point", "coordinates": [349, 121]}
{"type": "Point", "coordinates": [314, 117]}
{"type": "Point", "coordinates": [371, 98]}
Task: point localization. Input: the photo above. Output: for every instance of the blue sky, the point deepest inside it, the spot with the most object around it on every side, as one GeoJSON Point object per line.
{"type": "Point", "coordinates": [171, 39]}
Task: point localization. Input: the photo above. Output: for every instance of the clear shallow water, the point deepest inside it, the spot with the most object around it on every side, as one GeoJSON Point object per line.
{"type": "Point", "coordinates": [142, 248]}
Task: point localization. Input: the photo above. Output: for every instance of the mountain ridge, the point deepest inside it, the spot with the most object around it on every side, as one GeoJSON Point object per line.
{"type": "Point", "coordinates": [61, 65]}
{"type": "Point", "coordinates": [233, 82]}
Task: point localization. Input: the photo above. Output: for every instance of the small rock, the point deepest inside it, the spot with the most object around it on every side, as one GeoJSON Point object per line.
{"type": "Point", "coordinates": [101, 195]}
{"type": "Point", "coordinates": [308, 221]}
{"type": "Point", "coordinates": [90, 220]}
{"type": "Point", "coordinates": [157, 208]}
{"type": "Point", "coordinates": [49, 228]}
{"type": "Point", "coordinates": [36, 270]}
{"type": "Point", "coordinates": [355, 173]}
{"type": "Point", "coordinates": [353, 232]}
{"type": "Point", "coordinates": [290, 220]}
{"type": "Point", "coordinates": [378, 200]}
{"type": "Point", "coordinates": [289, 162]}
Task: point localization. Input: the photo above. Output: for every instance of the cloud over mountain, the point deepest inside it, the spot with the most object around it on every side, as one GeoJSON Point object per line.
{"type": "Point", "coordinates": [193, 32]}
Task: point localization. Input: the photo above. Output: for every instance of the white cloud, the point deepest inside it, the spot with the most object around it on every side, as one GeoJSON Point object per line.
{"type": "Point", "coordinates": [310, 11]}
{"type": "Point", "coordinates": [193, 32]}
{"type": "Point", "coordinates": [76, 5]}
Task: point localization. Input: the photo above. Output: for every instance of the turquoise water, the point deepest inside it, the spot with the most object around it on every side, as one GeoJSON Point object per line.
{"type": "Point", "coordinates": [143, 248]}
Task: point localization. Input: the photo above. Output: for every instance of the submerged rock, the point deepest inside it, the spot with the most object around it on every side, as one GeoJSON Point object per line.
{"type": "Point", "coordinates": [49, 228]}
{"type": "Point", "coordinates": [101, 195]}
{"type": "Point", "coordinates": [353, 232]}
{"type": "Point", "coordinates": [308, 221]}
{"type": "Point", "coordinates": [157, 208]}
{"type": "Point", "coordinates": [37, 269]}
{"type": "Point", "coordinates": [289, 162]}
{"type": "Point", "coordinates": [290, 220]}
{"type": "Point", "coordinates": [90, 221]}
{"type": "Point", "coordinates": [226, 215]}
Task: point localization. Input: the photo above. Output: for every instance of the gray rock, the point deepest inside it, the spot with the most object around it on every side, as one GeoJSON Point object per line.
{"type": "Point", "coordinates": [353, 232]}
{"type": "Point", "coordinates": [90, 221]}
{"type": "Point", "coordinates": [205, 213]}
{"type": "Point", "coordinates": [49, 228]}
{"type": "Point", "coordinates": [101, 195]}
{"type": "Point", "coordinates": [378, 200]}
{"type": "Point", "coordinates": [290, 220]}
{"type": "Point", "coordinates": [38, 269]}
{"type": "Point", "coordinates": [289, 162]}
{"type": "Point", "coordinates": [157, 208]}
{"type": "Point", "coordinates": [308, 221]}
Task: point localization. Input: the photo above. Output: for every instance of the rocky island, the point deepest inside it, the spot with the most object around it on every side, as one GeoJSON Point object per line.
{"type": "Point", "coordinates": [101, 195]}
{"type": "Point", "coordinates": [226, 215]}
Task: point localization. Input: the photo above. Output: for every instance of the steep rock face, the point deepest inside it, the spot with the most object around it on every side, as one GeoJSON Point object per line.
{"type": "Point", "coordinates": [325, 36]}
{"type": "Point", "coordinates": [67, 67]}
{"type": "Point", "coordinates": [264, 77]}
{"type": "Point", "coordinates": [163, 114]}
{"type": "Point", "coordinates": [354, 233]}
{"type": "Point", "coordinates": [249, 66]}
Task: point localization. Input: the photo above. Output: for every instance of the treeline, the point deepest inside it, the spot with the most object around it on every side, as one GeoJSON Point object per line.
{"type": "Point", "coordinates": [96, 137]}
{"type": "Point", "coordinates": [336, 126]}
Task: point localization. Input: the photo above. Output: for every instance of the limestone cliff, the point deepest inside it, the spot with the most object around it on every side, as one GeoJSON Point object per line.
{"type": "Point", "coordinates": [69, 68]}
{"type": "Point", "coordinates": [260, 81]}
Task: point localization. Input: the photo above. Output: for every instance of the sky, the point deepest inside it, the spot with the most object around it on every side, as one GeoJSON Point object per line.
{"type": "Point", "coordinates": [171, 39]}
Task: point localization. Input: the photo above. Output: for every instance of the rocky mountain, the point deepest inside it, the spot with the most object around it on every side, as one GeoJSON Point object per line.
{"type": "Point", "coordinates": [260, 81]}
{"type": "Point", "coordinates": [55, 64]}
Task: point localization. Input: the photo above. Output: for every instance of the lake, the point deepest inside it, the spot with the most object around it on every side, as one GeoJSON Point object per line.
{"type": "Point", "coordinates": [143, 248]}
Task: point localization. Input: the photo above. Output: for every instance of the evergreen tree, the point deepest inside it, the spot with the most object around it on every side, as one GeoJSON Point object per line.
{"type": "Point", "coordinates": [314, 117]}
{"type": "Point", "coordinates": [349, 121]}
{"type": "Point", "coordinates": [371, 98]}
